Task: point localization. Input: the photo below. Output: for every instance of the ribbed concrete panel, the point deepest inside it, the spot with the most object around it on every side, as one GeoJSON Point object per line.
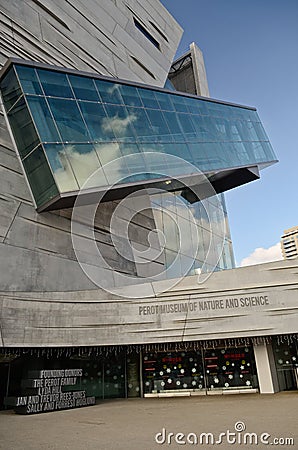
{"type": "Point", "coordinates": [93, 35]}
{"type": "Point", "coordinates": [246, 302]}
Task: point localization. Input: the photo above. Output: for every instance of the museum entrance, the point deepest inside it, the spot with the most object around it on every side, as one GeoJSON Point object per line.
{"type": "Point", "coordinates": [199, 371]}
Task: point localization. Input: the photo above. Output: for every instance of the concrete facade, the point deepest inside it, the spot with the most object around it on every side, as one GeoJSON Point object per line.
{"type": "Point", "coordinates": [36, 250]}
{"type": "Point", "coordinates": [96, 36]}
{"type": "Point", "coordinates": [240, 303]}
{"type": "Point", "coordinates": [46, 300]}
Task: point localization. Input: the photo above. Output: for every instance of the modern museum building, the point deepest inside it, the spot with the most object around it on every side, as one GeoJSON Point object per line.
{"type": "Point", "coordinates": [117, 270]}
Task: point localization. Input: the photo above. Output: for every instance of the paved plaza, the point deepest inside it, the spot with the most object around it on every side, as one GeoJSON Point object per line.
{"type": "Point", "coordinates": [133, 424]}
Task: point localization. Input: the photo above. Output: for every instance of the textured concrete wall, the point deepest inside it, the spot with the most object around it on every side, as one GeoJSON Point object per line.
{"type": "Point", "coordinates": [91, 35]}
{"type": "Point", "coordinates": [95, 35]}
{"type": "Point", "coordinates": [99, 318]}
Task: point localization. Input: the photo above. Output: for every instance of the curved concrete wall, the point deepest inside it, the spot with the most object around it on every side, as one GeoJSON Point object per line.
{"type": "Point", "coordinates": [246, 302]}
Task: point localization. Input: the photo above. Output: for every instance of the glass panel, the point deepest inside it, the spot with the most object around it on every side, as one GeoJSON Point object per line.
{"type": "Point", "coordinates": [215, 109]}
{"type": "Point", "coordinates": [61, 168]}
{"type": "Point", "coordinates": [186, 125]}
{"type": "Point", "coordinates": [242, 153]}
{"type": "Point", "coordinates": [69, 120]}
{"type": "Point", "coordinates": [98, 123]}
{"type": "Point", "coordinates": [173, 371]}
{"type": "Point", "coordinates": [136, 163]}
{"type": "Point", "coordinates": [156, 160]}
{"type": "Point", "coordinates": [29, 80]}
{"type": "Point", "coordinates": [120, 122]}
{"type": "Point", "coordinates": [164, 101]}
{"type": "Point", "coordinates": [230, 154]}
{"type": "Point", "coordinates": [240, 131]}
{"type": "Point", "coordinates": [194, 106]}
{"type": "Point", "coordinates": [22, 128]}
{"type": "Point", "coordinates": [130, 95]}
{"type": "Point", "coordinates": [84, 88]}
{"type": "Point", "coordinates": [268, 151]}
{"type": "Point", "coordinates": [92, 379]}
{"type": "Point", "coordinates": [174, 126]}
{"type": "Point", "coordinates": [186, 265]}
{"type": "Point", "coordinates": [260, 132]}
{"type": "Point", "coordinates": [39, 176]}
{"type": "Point", "coordinates": [179, 150]}
{"type": "Point", "coordinates": [148, 98]}
{"type": "Point", "coordinates": [55, 84]}
{"type": "Point", "coordinates": [109, 152]}
{"type": "Point", "coordinates": [159, 125]}
{"type": "Point", "coordinates": [210, 131]}
{"type": "Point", "coordinates": [114, 377]}
{"type": "Point", "coordinates": [230, 368]}
{"type": "Point", "coordinates": [171, 232]}
{"type": "Point", "coordinates": [200, 127]}
{"type": "Point", "coordinates": [214, 155]}
{"type": "Point", "coordinates": [43, 119]}
{"type": "Point", "coordinates": [133, 375]}
{"type": "Point", "coordinates": [172, 263]}
{"type": "Point", "coordinates": [84, 162]}
{"type": "Point", "coordinates": [10, 89]}
{"type": "Point", "coordinates": [109, 92]}
{"type": "Point", "coordinates": [179, 103]}
{"type": "Point", "coordinates": [141, 124]}
{"type": "Point", "coordinates": [199, 156]}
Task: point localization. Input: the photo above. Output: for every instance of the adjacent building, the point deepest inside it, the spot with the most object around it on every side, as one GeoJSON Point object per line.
{"type": "Point", "coordinates": [114, 232]}
{"type": "Point", "coordinates": [289, 243]}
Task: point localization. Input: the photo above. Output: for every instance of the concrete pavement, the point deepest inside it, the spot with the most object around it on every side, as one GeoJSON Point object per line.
{"type": "Point", "coordinates": [132, 424]}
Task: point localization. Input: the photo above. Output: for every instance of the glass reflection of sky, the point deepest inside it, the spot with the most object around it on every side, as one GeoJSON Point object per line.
{"type": "Point", "coordinates": [85, 122]}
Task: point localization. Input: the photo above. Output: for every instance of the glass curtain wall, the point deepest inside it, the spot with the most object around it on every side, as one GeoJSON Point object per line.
{"type": "Point", "coordinates": [66, 126]}
{"type": "Point", "coordinates": [211, 369]}
{"type": "Point", "coordinates": [168, 216]}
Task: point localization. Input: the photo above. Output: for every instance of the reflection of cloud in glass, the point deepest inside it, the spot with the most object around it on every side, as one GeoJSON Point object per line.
{"type": "Point", "coordinates": [74, 165]}
{"type": "Point", "coordinates": [117, 124]}
{"type": "Point", "coordinates": [63, 173]}
{"type": "Point", "coordinates": [180, 230]}
{"type": "Point", "coordinates": [113, 88]}
{"type": "Point", "coordinates": [111, 152]}
{"type": "Point", "coordinates": [200, 218]}
{"type": "Point", "coordinates": [84, 162]}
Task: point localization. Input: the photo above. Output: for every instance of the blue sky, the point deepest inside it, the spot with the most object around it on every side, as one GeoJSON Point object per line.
{"type": "Point", "coordinates": [251, 56]}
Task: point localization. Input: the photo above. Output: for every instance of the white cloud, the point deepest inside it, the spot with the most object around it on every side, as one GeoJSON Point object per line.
{"type": "Point", "coordinates": [262, 255]}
